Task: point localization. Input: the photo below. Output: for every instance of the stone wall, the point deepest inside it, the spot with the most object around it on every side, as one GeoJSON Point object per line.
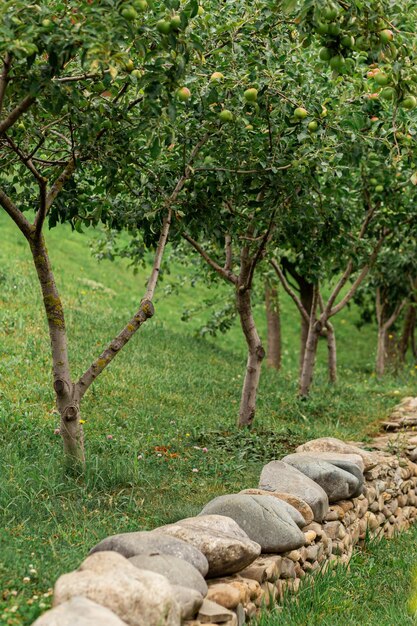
{"type": "Point", "coordinates": [245, 550]}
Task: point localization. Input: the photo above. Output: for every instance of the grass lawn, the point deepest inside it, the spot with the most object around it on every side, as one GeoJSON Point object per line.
{"type": "Point", "coordinates": [375, 591]}
{"type": "Point", "coordinates": [167, 396]}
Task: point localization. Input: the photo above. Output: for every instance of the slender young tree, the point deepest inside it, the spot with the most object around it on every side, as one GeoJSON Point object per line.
{"type": "Point", "coordinates": [273, 326]}
{"type": "Point", "coordinates": [389, 290]}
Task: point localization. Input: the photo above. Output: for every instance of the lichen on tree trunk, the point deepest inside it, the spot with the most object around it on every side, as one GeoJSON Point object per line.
{"type": "Point", "coordinates": [256, 354]}
{"type": "Point", "coordinates": [67, 399]}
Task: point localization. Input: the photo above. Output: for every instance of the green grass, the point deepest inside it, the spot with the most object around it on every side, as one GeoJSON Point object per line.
{"type": "Point", "coordinates": [166, 396]}
{"type": "Point", "coordinates": [374, 591]}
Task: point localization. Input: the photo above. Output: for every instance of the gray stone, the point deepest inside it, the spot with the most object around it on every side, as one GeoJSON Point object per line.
{"type": "Point", "coordinates": [279, 476]}
{"type": "Point", "coordinates": [343, 461]}
{"type": "Point", "coordinates": [189, 600]}
{"type": "Point", "coordinates": [227, 547]}
{"type": "Point", "coordinates": [330, 457]}
{"type": "Point", "coordinates": [331, 444]}
{"type": "Point", "coordinates": [353, 469]}
{"type": "Point", "coordinates": [137, 597]}
{"type": "Point", "coordinates": [174, 569]}
{"type": "Point", "coordinates": [338, 484]}
{"type": "Point", "coordinates": [302, 507]}
{"type": "Point", "coordinates": [268, 521]}
{"type": "Point", "coordinates": [79, 611]}
{"type": "Point", "coordinates": [143, 542]}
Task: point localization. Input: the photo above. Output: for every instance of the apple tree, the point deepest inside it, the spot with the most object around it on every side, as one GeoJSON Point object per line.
{"type": "Point", "coordinates": [86, 90]}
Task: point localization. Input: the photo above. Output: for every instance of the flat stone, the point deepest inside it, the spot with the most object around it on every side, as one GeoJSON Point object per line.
{"type": "Point", "coordinates": [226, 546]}
{"type": "Point", "coordinates": [265, 520]}
{"type": "Point", "coordinates": [174, 569]}
{"type": "Point", "coordinates": [283, 478]}
{"type": "Point", "coordinates": [331, 444]}
{"type": "Point", "coordinates": [337, 483]}
{"type": "Point", "coordinates": [189, 600]}
{"type": "Point", "coordinates": [137, 597]}
{"type": "Point", "coordinates": [213, 613]}
{"type": "Point", "coordinates": [302, 507]}
{"type": "Point", "coordinates": [79, 611]}
{"type": "Point", "coordinates": [330, 457]}
{"type": "Point", "coordinates": [144, 542]}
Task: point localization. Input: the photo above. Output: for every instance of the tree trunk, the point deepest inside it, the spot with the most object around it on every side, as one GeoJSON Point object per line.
{"type": "Point", "coordinates": [273, 321]}
{"type": "Point", "coordinates": [310, 351]}
{"type": "Point", "coordinates": [306, 297]}
{"type": "Point", "coordinates": [380, 355]}
{"type": "Point", "coordinates": [67, 399]}
{"type": "Point", "coordinates": [406, 337]}
{"type": "Point", "coordinates": [331, 353]}
{"type": "Point", "coordinates": [392, 351]}
{"type": "Point", "coordinates": [256, 354]}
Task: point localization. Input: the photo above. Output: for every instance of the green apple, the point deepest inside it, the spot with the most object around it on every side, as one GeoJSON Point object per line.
{"type": "Point", "coordinates": [183, 94]}
{"type": "Point", "coordinates": [388, 93]}
{"type": "Point", "coordinates": [216, 77]}
{"type": "Point", "coordinates": [251, 94]}
{"type": "Point", "coordinates": [381, 79]}
{"type": "Point", "coordinates": [409, 103]}
{"type": "Point", "coordinates": [348, 41]}
{"type": "Point", "coordinates": [325, 54]}
{"type": "Point", "coordinates": [176, 22]}
{"type": "Point", "coordinates": [337, 63]}
{"type": "Point", "coordinates": [330, 13]}
{"type": "Point", "coordinates": [47, 24]}
{"type": "Point", "coordinates": [226, 116]}
{"type": "Point", "coordinates": [334, 30]}
{"type": "Point", "coordinates": [140, 5]}
{"type": "Point", "coordinates": [313, 126]}
{"type": "Point", "coordinates": [129, 13]}
{"type": "Point", "coordinates": [300, 113]}
{"type": "Point", "coordinates": [322, 29]}
{"type": "Point", "coordinates": [386, 35]}
{"type": "Point", "coordinates": [163, 26]}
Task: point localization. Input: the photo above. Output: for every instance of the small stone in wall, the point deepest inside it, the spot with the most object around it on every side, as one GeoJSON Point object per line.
{"type": "Point", "coordinates": [210, 612]}
{"type": "Point", "coordinates": [189, 600]}
{"type": "Point", "coordinates": [224, 594]}
{"type": "Point", "coordinates": [264, 568]}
